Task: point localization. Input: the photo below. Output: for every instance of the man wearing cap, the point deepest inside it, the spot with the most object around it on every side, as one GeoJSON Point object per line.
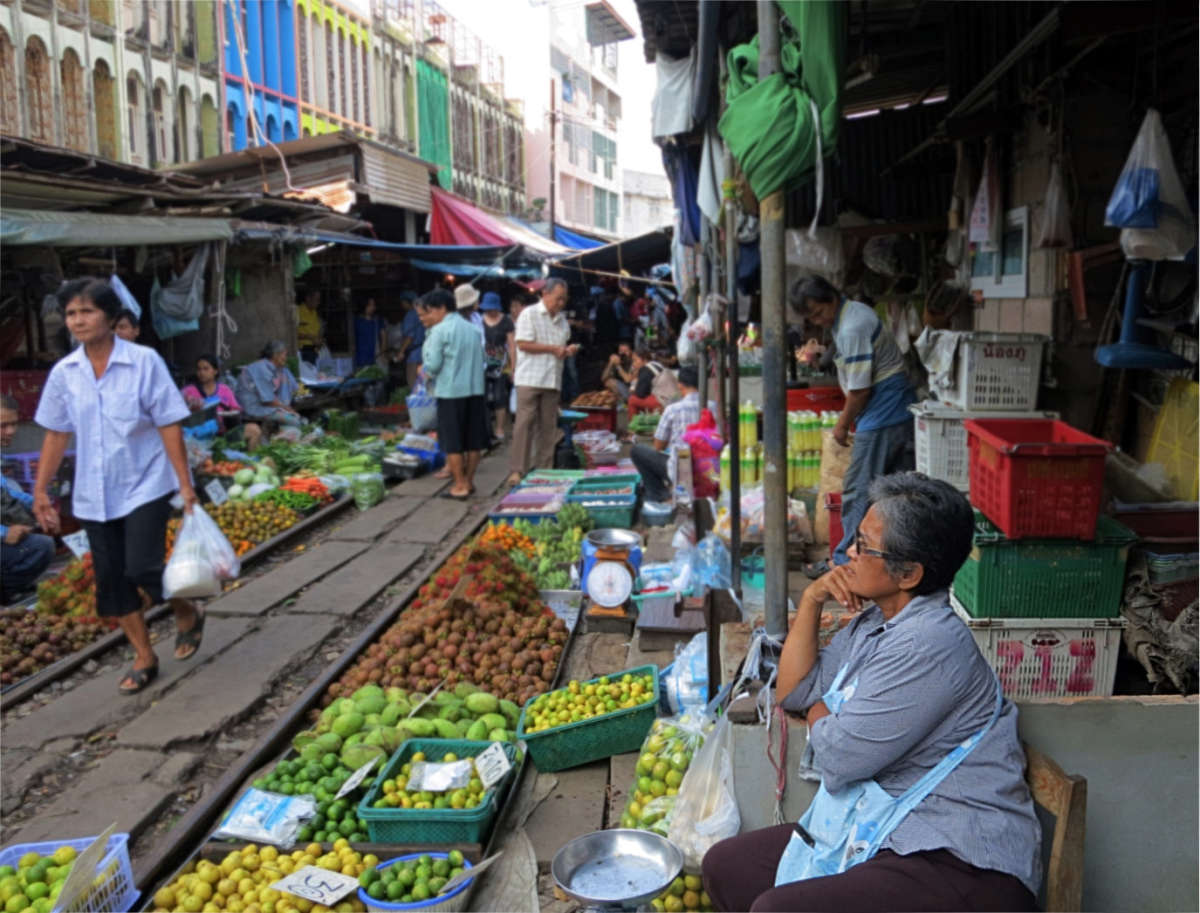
{"type": "Point", "coordinates": [453, 359]}
{"type": "Point", "coordinates": [541, 336]}
{"type": "Point", "coordinates": [653, 463]}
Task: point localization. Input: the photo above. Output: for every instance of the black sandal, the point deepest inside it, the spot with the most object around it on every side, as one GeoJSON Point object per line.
{"type": "Point", "coordinates": [140, 678]}
{"type": "Point", "coordinates": [191, 637]}
{"type": "Point", "coordinates": [817, 569]}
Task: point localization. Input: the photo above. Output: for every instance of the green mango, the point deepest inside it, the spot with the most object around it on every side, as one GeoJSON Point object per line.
{"type": "Point", "coordinates": [421, 728]}
{"type": "Point", "coordinates": [445, 729]}
{"type": "Point", "coordinates": [371, 719]}
{"type": "Point", "coordinates": [370, 703]}
{"type": "Point", "coordinates": [451, 712]}
{"type": "Point", "coordinates": [463, 726]}
{"type": "Point", "coordinates": [348, 723]}
{"type": "Point", "coordinates": [395, 695]}
{"type": "Point", "coordinates": [330, 742]}
{"type": "Point", "coordinates": [311, 752]}
{"type": "Point", "coordinates": [511, 712]}
{"type": "Point", "coordinates": [404, 707]}
{"type": "Point", "coordinates": [481, 702]}
{"type": "Point", "coordinates": [341, 705]}
{"type": "Point", "coordinates": [366, 691]}
{"type": "Point", "coordinates": [498, 735]}
{"type": "Point", "coordinates": [391, 715]}
{"type": "Point", "coordinates": [494, 721]}
{"type": "Point", "coordinates": [478, 731]}
{"type": "Point", "coordinates": [442, 698]}
{"type": "Point", "coordinates": [462, 689]}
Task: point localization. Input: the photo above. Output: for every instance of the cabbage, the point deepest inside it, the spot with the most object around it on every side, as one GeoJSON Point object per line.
{"type": "Point", "coordinates": [236, 491]}
{"type": "Point", "coordinates": [244, 476]}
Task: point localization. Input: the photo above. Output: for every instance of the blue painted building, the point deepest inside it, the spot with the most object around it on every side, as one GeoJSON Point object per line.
{"type": "Point", "coordinates": [260, 72]}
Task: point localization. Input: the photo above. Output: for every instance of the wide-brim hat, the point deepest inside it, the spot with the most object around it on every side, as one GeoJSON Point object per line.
{"type": "Point", "coordinates": [466, 296]}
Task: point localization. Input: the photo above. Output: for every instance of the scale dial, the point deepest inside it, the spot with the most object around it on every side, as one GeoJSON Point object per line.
{"type": "Point", "coordinates": [610, 584]}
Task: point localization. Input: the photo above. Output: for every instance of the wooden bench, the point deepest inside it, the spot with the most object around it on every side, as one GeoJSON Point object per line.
{"type": "Point", "coordinates": [1064, 795]}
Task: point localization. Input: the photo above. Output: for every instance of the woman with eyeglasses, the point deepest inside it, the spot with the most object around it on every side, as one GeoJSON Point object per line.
{"type": "Point", "coordinates": [923, 803]}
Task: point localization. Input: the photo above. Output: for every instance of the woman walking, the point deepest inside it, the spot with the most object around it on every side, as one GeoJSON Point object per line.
{"type": "Point", "coordinates": [499, 359]}
{"type": "Point", "coordinates": [118, 400]}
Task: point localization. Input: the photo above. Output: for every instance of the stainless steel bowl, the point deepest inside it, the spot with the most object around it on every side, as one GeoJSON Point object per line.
{"type": "Point", "coordinates": [614, 538]}
{"type": "Point", "coordinates": [616, 869]}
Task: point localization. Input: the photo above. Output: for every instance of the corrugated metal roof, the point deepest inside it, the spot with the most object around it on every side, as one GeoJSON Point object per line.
{"type": "Point", "coordinates": [395, 180]}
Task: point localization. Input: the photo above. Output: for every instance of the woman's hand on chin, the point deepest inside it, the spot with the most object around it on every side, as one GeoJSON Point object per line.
{"type": "Point", "coordinates": [836, 585]}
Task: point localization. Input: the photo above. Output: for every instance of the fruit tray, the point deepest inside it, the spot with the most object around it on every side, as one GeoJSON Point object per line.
{"type": "Point", "coordinates": [573, 744]}
{"type": "Point", "coordinates": [435, 825]}
{"type": "Point", "coordinates": [112, 889]}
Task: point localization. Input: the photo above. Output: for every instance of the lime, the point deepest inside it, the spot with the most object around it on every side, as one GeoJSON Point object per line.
{"type": "Point", "coordinates": [16, 903]}
{"type": "Point", "coordinates": [420, 891]}
{"type": "Point", "coordinates": [368, 877]}
{"type": "Point", "coordinates": [37, 890]}
{"type": "Point", "coordinates": [440, 867]}
{"type": "Point", "coordinates": [395, 890]}
{"type": "Point", "coordinates": [455, 858]}
{"type": "Point", "coordinates": [377, 890]}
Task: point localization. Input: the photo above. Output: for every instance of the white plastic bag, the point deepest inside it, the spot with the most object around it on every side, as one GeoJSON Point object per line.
{"type": "Point", "coordinates": [706, 810]}
{"type": "Point", "coordinates": [686, 684]}
{"type": "Point", "coordinates": [201, 559]}
{"type": "Point", "coordinates": [266, 817]}
{"type": "Point", "coordinates": [1056, 218]}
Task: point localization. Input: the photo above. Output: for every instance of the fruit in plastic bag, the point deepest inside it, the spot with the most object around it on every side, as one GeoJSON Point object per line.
{"type": "Point", "coordinates": [665, 756]}
{"type": "Point", "coordinates": [367, 489]}
{"type": "Point", "coordinates": [201, 558]}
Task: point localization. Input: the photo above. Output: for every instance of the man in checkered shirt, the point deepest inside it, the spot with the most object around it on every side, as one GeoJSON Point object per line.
{"type": "Point", "coordinates": [653, 462]}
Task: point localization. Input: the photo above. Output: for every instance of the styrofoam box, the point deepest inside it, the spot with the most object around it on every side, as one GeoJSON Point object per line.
{"type": "Point", "coordinates": [1039, 659]}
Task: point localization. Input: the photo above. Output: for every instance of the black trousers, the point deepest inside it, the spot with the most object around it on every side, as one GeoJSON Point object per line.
{"type": "Point", "coordinates": [128, 553]}
{"type": "Point", "coordinates": [653, 467]}
{"type": "Point", "coordinates": [739, 874]}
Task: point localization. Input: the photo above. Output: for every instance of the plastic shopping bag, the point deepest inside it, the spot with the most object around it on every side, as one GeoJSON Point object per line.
{"type": "Point", "coordinates": [201, 559]}
{"type": "Point", "coordinates": [422, 408]}
{"type": "Point", "coordinates": [706, 809]}
{"type": "Point", "coordinates": [667, 753]}
{"type": "Point", "coordinates": [685, 681]}
{"type": "Point", "coordinates": [1056, 219]}
{"type": "Point", "coordinates": [1149, 193]}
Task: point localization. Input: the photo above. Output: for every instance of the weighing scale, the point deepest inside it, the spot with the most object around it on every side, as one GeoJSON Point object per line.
{"type": "Point", "coordinates": [612, 559]}
{"type": "Point", "coordinates": [616, 870]}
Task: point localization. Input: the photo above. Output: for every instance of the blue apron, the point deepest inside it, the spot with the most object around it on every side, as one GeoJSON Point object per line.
{"type": "Point", "coordinates": [842, 829]}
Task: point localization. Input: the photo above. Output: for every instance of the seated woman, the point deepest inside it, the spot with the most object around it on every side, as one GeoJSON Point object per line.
{"type": "Point", "coordinates": [641, 397]}
{"type": "Point", "coordinates": [205, 387]}
{"type": "Point", "coordinates": [266, 388]}
{"type": "Point", "coordinates": [909, 730]}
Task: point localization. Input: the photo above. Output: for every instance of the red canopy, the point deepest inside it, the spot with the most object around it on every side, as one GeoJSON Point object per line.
{"type": "Point", "coordinates": [456, 221]}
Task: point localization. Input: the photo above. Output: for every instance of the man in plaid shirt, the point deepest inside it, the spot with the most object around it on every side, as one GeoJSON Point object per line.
{"type": "Point", "coordinates": [653, 462]}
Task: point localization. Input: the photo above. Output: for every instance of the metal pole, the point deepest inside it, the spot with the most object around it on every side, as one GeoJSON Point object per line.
{"type": "Point", "coordinates": [701, 353]}
{"type": "Point", "coordinates": [733, 402]}
{"type": "Point", "coordinates": [773, 371]}
{"type": "Point", "coordinates": [553, 151]}
{"type": "Point", "coordinates": [718, 316]}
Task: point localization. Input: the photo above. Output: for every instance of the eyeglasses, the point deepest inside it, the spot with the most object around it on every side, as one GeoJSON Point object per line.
{"type": "Point", "coordinates": [861, 548]}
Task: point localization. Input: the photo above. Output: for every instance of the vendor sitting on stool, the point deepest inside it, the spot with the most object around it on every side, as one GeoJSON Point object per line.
{"type": "Point", "coordinates": [922, 770]}
{"type": "Point", "coordinates": [641, 397]}
{"type": "Point", "coordinates": [266, 388]}
{"type": "Point", "coordinates": [24, 553]}
{"type": "Point", "coordinates": [653, 462]}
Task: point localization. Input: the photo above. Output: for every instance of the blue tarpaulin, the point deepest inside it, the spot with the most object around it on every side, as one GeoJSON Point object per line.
{"type": "Point", "coordinates": [568, 238]}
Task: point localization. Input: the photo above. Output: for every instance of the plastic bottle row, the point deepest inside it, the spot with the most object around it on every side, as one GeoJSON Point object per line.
{"type": "Point", "coordinates": [803, 428]}
{"type": "Point", "coordinates": [803, 468]}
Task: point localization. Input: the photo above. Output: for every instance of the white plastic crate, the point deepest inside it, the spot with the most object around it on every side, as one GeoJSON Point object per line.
{"type": "Point", "coordinates": [1039, 659]}
{"type": "Point", "coordinates": [997, 372]}
{"type": "Point", "coordinates": [941, 440]}
{"type": "Point", "coordinates": [112, 889]}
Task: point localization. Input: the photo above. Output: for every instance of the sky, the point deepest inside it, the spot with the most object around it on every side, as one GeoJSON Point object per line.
{"type": "Point", "coordinates": [519, 30]}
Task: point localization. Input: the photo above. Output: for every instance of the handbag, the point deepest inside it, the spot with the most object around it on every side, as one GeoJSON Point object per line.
{"type": "Point", "coordinates": [840, 830]}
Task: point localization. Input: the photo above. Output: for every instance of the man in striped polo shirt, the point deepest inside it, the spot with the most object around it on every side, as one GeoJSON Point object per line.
{"type": "Point", "coordinates": [871, 373]}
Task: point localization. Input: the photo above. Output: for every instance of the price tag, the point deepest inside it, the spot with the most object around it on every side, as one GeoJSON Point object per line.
{"type": "Point", "coordinates": [492, 764]}
{"type": "Point", "coordinates": [216, 492]}
{"type": "Point", "coordinates": [357, 777]}
{"type": "Point", "coordinates": [319, 886]}
{"type": "Point", "coordinates": [77, 543]}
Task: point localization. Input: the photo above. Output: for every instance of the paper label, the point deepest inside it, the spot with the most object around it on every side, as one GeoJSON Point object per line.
{"type": "Point", "coordinates": [77, 543]}
{"type": "Point", "coordinates": [317, 885]}
{"type": "Point", "coordinates": [430, 777]}
{"type": "Point", "coordinates": [216, 492]}
{"type": "Point", "coordinates": [492, 764]}
{"type": "Point", "coordinates": [357, 777]}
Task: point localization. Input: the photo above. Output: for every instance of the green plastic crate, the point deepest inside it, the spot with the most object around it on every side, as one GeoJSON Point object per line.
{"type": "Point", "coordinates": [434, 826]}
{"type": "Point", "coordinates": [573, 744]}
{"type": "Point", "coordinates": [1044, 578]}
{"type": "Point", "coordinates": [607, 480]}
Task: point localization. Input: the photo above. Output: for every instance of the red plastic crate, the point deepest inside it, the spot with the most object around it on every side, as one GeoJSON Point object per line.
{"type": "Point", "coordinates": [1036, 477]}
{"type": "Point", "coordinates": [816, 399]}
{"type": "Point", "coordinates": [833, 505]}
{"type": "Point", "coordinates": [597, 419]}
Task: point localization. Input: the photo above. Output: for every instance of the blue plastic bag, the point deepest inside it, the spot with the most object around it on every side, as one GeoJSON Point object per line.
{"type": "Point", "coordinates": [1134, 201]}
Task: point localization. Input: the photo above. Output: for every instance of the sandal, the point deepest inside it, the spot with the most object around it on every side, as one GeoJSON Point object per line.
{"type": "Point", "coordinates": [191, 637]}
{"type": "Point", "coordinates": [140, 678]}
{"type": "Point", "coordinates": [817, 569]}
{"type": "Point", "coordinates": [454, 497]}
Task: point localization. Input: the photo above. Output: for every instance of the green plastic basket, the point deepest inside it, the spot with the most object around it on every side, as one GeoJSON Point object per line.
{"type": "Point", "coordinates": [573, 744]}
{"type": "Point", "coordinates": [434, 826]}
{"type": "Point", "coordinates": [1044, 578]}
{"type": "Point", "coordinates": [607, 480]}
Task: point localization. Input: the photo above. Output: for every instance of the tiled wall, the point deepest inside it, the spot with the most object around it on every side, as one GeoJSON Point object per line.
{"type": "Point", "coordinates": [1016, 315]}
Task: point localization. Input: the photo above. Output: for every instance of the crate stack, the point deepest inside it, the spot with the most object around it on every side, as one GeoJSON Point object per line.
{"type": "Point", "coordinates": [1041, 590]}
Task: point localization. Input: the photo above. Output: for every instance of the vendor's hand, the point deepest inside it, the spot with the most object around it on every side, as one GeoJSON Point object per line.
{"type": "Point", "coordinates": [614, 359]}
{"type": "Point", "coordinates": [16, 533]}
{"type": "Point", "coordinates": [572, 349]}
{"type": "Point", "coordinates": [815, 712]}
{"type": "Point", "coordinates": [835, 585]}
{"type": "Point", "coordinates": [841, 434]}
{"type": "Point", "coordinates": [811, 351]}
{"type": "Point", "coordinates": [188, 494]}
{"type": "Point", "coordinates": [45, 513]}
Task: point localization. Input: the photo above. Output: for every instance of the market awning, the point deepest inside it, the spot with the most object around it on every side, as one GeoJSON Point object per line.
{"type": "Point", "coordinates": [574, 240]}
{"type": "Point", "coordinates": [635, 254]}
{"type": "Point", "coordinates": [456, 221]}
{"type": "Point", "coordinates": [93, 229]}
{"type": "Point", "coordinates": [495, 260]}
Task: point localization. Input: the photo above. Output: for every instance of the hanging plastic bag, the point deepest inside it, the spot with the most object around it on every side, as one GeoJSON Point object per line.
{"type": "Point", "coordinates": [422, 408]}
{"type": "Point", "coordinates": [819, 253]}
{"type": "Point", "coordinates": [1056, 218]}
{"type": "Point", "coordinates": [706, 809]}
{"type": "Point", "coordinates": [713, 563]}
{"type": "Point", "coordinates": [685, 683]}
{"type": "Point", "coordinates": [667, 753]}
{"type": "Point", "coordinates": [986, 218]}
{"type": "Point", "coordinates": [201, 559]}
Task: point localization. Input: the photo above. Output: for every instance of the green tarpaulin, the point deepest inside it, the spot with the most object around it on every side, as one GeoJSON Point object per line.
{"type": "Point", "coordinates": [769, 126]}
{"type": "Point", "coordinates": [433, 103]}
